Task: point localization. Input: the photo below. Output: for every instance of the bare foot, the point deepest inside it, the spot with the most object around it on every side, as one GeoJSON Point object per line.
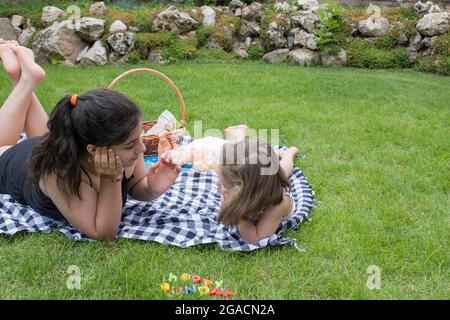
{"type": "Point", "coordinates": [236, 133]}
{"type": "Point", "coordinates": [9, 60]}
{"type": "Point", "coordinates": [31, 72]}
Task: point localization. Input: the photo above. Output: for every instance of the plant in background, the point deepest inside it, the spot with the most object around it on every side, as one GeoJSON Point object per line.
{"type": "Point", "coordinates": [255, 51]}
{"type": "Point", "coordinates": [332, 28]}
{"type": "Point", "coordinates": [144, 42]}
{"type": "Point", "coordinates": [439, 59]}
{"type": "Point", "coordinates": [181, 49]}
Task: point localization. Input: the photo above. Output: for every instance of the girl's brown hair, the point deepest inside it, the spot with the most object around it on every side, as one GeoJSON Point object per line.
{"type": "Point", "coordinates": [243, 170]}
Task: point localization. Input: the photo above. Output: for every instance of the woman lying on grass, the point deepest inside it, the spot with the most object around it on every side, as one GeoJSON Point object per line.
{"type": "Point", "coordinates": [80, 164]}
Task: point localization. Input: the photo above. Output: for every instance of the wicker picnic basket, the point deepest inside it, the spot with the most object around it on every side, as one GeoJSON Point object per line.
{"type": "Point", "coordinates": [151, 141]}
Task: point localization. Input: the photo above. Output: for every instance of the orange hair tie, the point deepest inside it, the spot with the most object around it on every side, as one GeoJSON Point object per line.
{"type": "Point", "coordinates": [73, 100]}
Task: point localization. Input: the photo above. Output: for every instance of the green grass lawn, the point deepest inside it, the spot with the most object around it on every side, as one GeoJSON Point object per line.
{"type": "Point", "coordinates": [377, 146]}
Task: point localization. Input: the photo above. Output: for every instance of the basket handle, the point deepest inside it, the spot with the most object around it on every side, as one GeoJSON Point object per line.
{"type": "Point", "coordinates": [161, 75]}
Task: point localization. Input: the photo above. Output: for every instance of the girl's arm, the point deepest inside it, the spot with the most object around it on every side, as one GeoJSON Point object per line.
{"type": "Point", "coordinates": [146, 186]}
{"type": "Point", "coordinates": [267, 225]}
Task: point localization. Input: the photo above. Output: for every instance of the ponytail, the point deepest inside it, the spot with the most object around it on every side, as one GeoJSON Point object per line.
{"type": "Point", "coordinates": [58, 152]}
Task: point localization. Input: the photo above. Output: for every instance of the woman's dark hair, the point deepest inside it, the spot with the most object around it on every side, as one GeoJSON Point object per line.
{"type": "Point", "coordinates": [101, 117]}
{"type": "Point", "coordinates": [251, 169]}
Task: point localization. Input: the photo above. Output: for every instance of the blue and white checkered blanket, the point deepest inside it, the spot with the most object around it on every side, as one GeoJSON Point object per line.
{"type": "Point", "coordinates": [184, 216]}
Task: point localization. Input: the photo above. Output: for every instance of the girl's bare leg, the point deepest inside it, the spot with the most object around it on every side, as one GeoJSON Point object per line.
{"type": "Point", "coordinates": [287, 160]}
{"type": "Point", "coordinates": [36, 118]}
{"type": "Point", "coordinates": [14, 111]}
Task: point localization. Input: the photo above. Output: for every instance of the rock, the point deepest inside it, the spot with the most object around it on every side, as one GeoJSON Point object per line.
{"type": "Point", "coordinates": [434, 9]}
{"type": "Point", "coordinates": [249, 29]}
{"type": "Point", "coordinates": [306, 20]}
{"type": "Point", "coordinates": [420, 7]}
{"type": "Point", "coordinates": [276, 56]}
{"type": "Point", "coordinates": [304, 39]}
{"type": "Point", "coordinates": [117, 58]}
{"type": "Point", "coordinates": [402, 38]}
{"type": "Point", "coordinates": [415, 42]}
{"type": "Point", "coordinates": [59, 39]}
{"type": "Point", "coordinates": [412, 55]}
{"type": "Point", "coordinates": [282, 7]}
{"type": "Point", "coordinates": [238, 12]}
{"type": "Point", "coordinates": [16, 21]}
{"type": "Point", "coordinates": [373, 26]}
{"type": "Point", "coordinates": [248, 42]}
{"type": "Point", "coordinates": [134, 29]}
{"type": "Point", "coordinates": [275, 36]}
{"type": "Point", "coordinates": [235, 4]}
{"type": "Point", "coordinates": [68, 63]}
{"type": "Point", "coordinates": [51, 14]}
{"type": "Point", "coordinates": [173, 20]}
{"type": "Point", "coordinates": [189, 35]}
{"type": "Point", "coordinates": [98, 9]}
{"type": "Point", "coordinates": [434, 24]}
{"type": "Point", "coordinates": [96, 55]}
{"type": "Point", "coordinates": [240, 50]}
{"type": "Point", "coordinates": [213, 44]}
{"type": "Point", "coordinates": [223, 11]}
{"type": "Point", "coordinates": [156, 57]}
{"type": "Point", "coordinates": [429, 42]}
{"type": "Point", "coordinates": [117, 26]}
{"type": "Point", "coordinates": [308, 5]}
{"type": "Point", "coordinates": [209, 16]}
{"type": "Point", "coordinates": [121, 42]}
{"type": "Point", "coordinates": [427, 7]}
{"type": "Point", "coordinates": [304, 57]}
{"type": "Point", "coordinates": [290, 41]}
{"type": "Point", "coordinates": [7, 31]}
{"type": "Point", "coordinates": [90, 29]}
{"type": "Point", "coordinates": [330, 60]}
{"type": "Point", "coordinates": [253, 11]}
{"type": "Point", "coordinates": [26, 35]}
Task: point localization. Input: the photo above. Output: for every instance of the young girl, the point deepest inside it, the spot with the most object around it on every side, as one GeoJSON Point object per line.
{"type": "Point", "coordinates": [254, 198]}
{"type": "Point", "coordinates": [253, 180]}
{"type": "Point", "coordinates": [80, 164]}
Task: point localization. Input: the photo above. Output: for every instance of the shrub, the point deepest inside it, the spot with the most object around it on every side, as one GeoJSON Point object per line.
{"type": "Point", "coordinates": [218, 34]}
{"type": "Point", "coordinates": [255, 52]}
{"type": "Point", "coordinates": [442, 45]}
{"type": "Point", "coordinates": [215, 54]}
{"type": "Point", "coordinates": [362, 54]}
{"type": "Point", "coordinates": [181, 49]}
{"type": "Point", "coordinates": [333, 27]}
{"type": "Point", "coordinates": [146, 41]}
{"type": "Point", "coordinates": [400, 58]}
{"type": "Point", "coordinates": [144, 20]}
{"type": "Point", "coordinates": [134, 57]}
{"type": "Point", "coordinates": [113, 14]}
{"type": "Point", "coordinates": [389, 40]}
{"type": "Point", "coordinates": [439, 59]}
{"type": "Point", "coordinates": [203, 34]}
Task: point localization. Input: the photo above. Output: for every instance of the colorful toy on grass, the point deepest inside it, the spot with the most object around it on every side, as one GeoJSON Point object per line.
{"type": "Point", "coordinates": [194, 286]}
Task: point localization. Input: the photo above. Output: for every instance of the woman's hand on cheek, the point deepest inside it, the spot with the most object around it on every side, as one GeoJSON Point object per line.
{"type": "Point", "coordinates": [107, 163]}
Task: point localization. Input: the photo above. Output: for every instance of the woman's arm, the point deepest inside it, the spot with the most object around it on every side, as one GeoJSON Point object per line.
{"type": "Point", "coordinates": [95, 214]}
{"type": "Point", "coordinates": [267, 225]}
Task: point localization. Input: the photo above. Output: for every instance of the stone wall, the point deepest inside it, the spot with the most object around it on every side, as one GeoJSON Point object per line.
{"type": "Point", "coordinates": [289, 34]}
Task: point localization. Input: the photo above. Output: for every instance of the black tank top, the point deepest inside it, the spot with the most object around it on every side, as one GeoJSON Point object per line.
{"type": "Point", "coordinates": [13, 180]}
